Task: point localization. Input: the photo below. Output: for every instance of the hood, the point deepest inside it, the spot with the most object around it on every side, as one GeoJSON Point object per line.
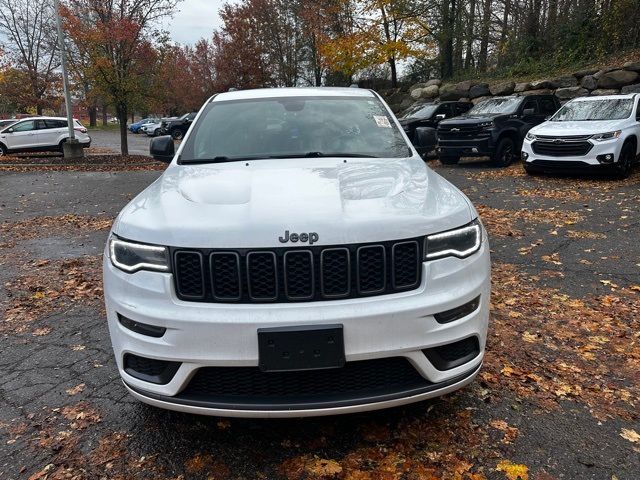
{"type": "Point", "coordinates": [250, 205]}
{"type": "Point", "coordinates": [577, 128]}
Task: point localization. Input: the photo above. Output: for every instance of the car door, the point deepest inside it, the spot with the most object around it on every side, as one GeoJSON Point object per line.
{"type": "Point", "coordinates": [54, 132]}
{"type": "Point", "coordinates": [530, 115]}
{"type": "Point", "coordinates": [19, 136]}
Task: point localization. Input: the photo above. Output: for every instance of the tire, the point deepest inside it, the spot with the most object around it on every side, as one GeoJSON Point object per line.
{"type": "Point", "coordinates": [177, 134]}
{"type": "Point", "coordinates": [156, 132]}
{"type": "Point", "coordinates": [505, 153]}
{"type": "Point", "coordinates": [3, 150]}
{"type": "Point", "coordinates": [622, 169]}
{"type": "Point", "coordinates": [60, 146]}
{"type": "Point", "coordinates": [449, 159]}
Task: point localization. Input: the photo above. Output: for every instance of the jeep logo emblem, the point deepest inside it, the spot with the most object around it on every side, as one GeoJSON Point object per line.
{"type": "Point", "coordinates": [311, 237]}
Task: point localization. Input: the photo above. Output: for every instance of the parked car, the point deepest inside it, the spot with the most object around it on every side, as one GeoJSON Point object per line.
{"type": "Point", "coordinates": [137, 126]}
{"type": "Point", "coordinates": [296, 258]}
{"type": "Point", "coordinates": [7, 122]}
{"type": "Point", "coordinates": [152, 129]}
{"type": "Point", "coordinates": [178, 127]}
{"type": "Point", "coordinates": [495, 128]}
{"type": "Point", "coordinates": [421, 120]}
{"type": "Point", "coordinates": [590, 133]}
{"type": "Point", "coordinates": [40, 134]}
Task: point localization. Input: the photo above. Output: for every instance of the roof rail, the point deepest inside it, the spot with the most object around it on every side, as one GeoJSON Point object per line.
{"type": "Point", "coordinates": [354, 85]}
{"type": "Point", "coordinates": [233, 89]}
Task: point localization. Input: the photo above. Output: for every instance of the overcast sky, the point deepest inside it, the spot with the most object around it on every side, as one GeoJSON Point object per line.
{"type": "Point", "coordinates": [193, 20]}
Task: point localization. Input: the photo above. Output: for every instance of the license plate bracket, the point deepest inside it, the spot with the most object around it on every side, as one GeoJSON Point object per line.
{"type": "Point", "coordinates": [312, 347]}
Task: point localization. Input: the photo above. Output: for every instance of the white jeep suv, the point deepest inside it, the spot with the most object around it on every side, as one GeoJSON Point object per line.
{"type": "Point", "coordinates": [296, 258]}
{"type": "Point", "coordinates": [40, 134]}
{"type": "Point", "coordinates": [585, 134]}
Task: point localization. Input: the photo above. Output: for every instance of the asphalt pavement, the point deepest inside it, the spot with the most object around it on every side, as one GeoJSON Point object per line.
{"type": "Point", "coordinates": [557, 397]}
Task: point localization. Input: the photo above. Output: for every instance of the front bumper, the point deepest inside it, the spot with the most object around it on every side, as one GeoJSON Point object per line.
{"type": "Point", "coordinates": [582, 163]}
{"type": "Point", "coordinates": [225, 335]}
{"type": "Point", "coordinates": [466, 147]}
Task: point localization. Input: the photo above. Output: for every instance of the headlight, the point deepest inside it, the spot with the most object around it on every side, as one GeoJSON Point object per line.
{"type": "Point", "coordinates": [487, 125]}
{"type": "Point", "coordinates": [601, 137]}
{"type": "Point", "coordinates": [460, 242]}
{"type": "Point", "coordinates": [131, 257]}
{"type": "Point", "coordinates": [530, 136]}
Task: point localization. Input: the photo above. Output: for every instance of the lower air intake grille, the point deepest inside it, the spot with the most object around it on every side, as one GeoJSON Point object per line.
{"type": "Point", "coordinates": [247, 385]}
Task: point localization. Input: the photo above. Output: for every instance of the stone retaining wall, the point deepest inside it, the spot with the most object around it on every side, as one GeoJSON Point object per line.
{"type": "Point", "coordinates": [605, 81]}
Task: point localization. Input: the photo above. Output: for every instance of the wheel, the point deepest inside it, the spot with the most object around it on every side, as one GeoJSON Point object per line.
{"type": "Point", "coordinates": [505, 153]}
{"type": "Point", "coordinates": [449, 159]}
{"type": "Point", "coordinates": [156, 132]}
{"type": "Point", "coordinates": [622, 168]}
{"type": "Point", "coordinates": [61, 146]}
{"type": "Point", "coordinates": [3, 150]}
{"type": "Point", "coordinates": [177, 134]}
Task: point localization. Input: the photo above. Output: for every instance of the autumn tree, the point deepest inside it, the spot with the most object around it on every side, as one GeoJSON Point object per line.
{"type": "Point", "coordinates": [29, 27]}
{"type": "Point", "coordinates": [115, 38]}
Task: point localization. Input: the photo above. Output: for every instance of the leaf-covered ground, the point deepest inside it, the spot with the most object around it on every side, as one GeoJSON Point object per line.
{"type": "Point", "coordinates": [557, 398]}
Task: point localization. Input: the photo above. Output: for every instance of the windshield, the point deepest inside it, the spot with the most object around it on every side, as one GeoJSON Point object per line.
{"type": "Point", "coordinates": [496, 105]}
{"type": "Point", "coordinates": [292, 127]}
{"type": "Point", "coordinates": [604, 109]}
{"type": "Point", "coordinates": [420, 111]}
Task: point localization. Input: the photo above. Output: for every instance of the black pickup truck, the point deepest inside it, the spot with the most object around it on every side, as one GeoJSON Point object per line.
{"type": "Point", "coordinates": [177, 127]}
{"type": "Point", "coordinates": [495, 128]}
{"type": "Point", "coordinates": [421, 120]}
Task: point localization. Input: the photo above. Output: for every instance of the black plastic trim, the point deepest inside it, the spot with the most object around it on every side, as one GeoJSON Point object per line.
{"type": "Point", "coordinates": [322, 290]}
{"type": "Point", "coordinates": [384, 269]}
{"type": "Point", "coordinates": [141, 328]}
{"type": "Point", "coordinates": [458, 312]}
{"type": "Point", "coordinates": [213, 292]}
{"type": "Point", "coordinates": [319, 404]}
{"type": "Point", "coordinates": [441, 364]}
{"type": "Point", "coordinates": [417, 265]}
{"type": "Point", "coordinates": [175, 259]}
{"type": "Point", "coordinates": [162, 379]}
{"type": "Point", "coordinates": [286, 280]}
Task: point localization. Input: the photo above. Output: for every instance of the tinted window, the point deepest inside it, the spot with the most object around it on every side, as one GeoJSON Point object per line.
{"type": "Point", "coordinates": [461, 108]}
{"type": "Point", "coordinates": [24, 126]}
{"type": "Point", "coordinates": [601, 109]}
{"type": "Point", "coordinates": [446, 110]}
{"type": "Point", "coordinates": [295, 127]}
{"type": "Point", "coordinates": [56, 123]}
{"type": "Point", "coordinates": [530, 104]}
{"type": "Point", "coordinates": [547, 106]}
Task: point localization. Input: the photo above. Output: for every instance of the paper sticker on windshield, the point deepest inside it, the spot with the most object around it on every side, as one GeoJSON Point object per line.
{"type": "Point", "coordinates": [382, 121]}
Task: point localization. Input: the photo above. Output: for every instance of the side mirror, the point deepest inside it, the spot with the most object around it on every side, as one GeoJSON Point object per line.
{"type": "Point", "coordinates": [162, 148]}
{"type": "Point", "coordinates": [441, 116]}
{"type": "Point", "coordinates": [9, 130]}
{"type": "Point", "coordinates": [528, 111]}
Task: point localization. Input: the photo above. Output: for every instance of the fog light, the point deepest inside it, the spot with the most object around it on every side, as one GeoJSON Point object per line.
{"type": "Point", "coordinates": [605, 158]}
{"type": "Point", "coordinates": [474, 150]}
{"type": "Point", "coordinates": [525, 155]}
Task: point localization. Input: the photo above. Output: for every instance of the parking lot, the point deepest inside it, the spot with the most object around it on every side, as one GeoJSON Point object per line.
{"type": "Point", "coordinates": [557, 397]}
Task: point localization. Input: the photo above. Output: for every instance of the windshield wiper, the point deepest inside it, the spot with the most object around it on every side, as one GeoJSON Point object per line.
{"type": "Point", "coordinates": [224, 158]}
{"type": "Point", "coordinates": [325, 155]}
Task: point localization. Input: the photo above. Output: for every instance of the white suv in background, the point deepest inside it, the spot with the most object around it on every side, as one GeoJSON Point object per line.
{"type": "Point", "coordinates": [40, 134]}
{"type": "Point", "coordinates": [587, 133]}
